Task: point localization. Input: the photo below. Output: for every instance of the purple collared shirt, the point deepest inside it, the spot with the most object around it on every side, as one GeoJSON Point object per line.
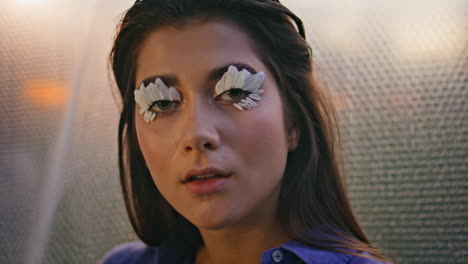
{"type": "Point", "coordinates": [290, 252]}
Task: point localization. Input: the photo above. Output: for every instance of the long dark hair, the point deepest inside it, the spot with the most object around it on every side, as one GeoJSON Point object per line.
{"type": "Point", "coordinates": [312, 189]}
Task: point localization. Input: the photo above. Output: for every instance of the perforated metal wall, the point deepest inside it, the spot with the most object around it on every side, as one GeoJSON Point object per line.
{"type": "Point", "coordinates": [398, 71]}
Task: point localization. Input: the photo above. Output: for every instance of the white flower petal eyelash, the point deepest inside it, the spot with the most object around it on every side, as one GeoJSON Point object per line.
{"type": "Point", "coordinates": [157, 91]}
{"type": "Point", "coordinates": [243, 80]}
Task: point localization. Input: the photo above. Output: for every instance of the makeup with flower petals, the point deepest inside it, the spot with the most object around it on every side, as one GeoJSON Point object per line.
{"type": "Point", "coordinates": [245, 82]}
{"type": "Point", "coordinates": [155, 97]}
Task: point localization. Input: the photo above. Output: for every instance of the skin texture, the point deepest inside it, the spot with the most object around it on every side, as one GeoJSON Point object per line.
{"type": "Point", "coordinates": [251, 145]}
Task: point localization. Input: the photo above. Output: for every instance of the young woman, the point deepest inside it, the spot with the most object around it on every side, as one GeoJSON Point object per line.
{"type": "Point", "coordinates": [226, 145]}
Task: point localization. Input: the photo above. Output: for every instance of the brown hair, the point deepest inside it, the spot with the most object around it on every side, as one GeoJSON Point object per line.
{"type": "Point", "coordinates": [312, 192]}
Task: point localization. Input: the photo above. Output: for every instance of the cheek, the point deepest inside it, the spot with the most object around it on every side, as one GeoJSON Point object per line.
{"type": "Point", "coordinates": [154, 148]}
{"type": "Point", "coordinates": [265, 134]}
{"type": "Point", "coordinates": [263, 138]}
{"type": "Point", "coordinates": [268, 141]}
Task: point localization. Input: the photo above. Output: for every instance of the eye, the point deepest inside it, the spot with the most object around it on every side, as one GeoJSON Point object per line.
{"type": "Point", "coordinates": [233, 94]}
{"type": "Point", "coordinates": [164, 105]}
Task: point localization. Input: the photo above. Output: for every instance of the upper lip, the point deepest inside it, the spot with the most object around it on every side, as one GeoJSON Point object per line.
{"type": "Point", "coordinates": [203, 171]}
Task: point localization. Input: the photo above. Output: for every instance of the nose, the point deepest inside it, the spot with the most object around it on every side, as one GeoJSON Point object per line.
{"type": "Point", "coordinates": [201, 131]}
{"type": "Point", "coordinates": [201, 146]}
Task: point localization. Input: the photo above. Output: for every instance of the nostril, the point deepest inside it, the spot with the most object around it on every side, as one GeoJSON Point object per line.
{"type": "Point", "coordinates": [201, 145]}
{"type": "Point", "coordinates": [188, 148]}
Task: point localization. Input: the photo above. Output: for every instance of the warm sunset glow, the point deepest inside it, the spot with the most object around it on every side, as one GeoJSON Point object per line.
{"type": "Point", "coordinates": [48, 93]}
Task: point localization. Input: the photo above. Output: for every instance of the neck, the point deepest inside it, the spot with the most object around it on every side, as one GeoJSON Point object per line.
{"type": "Point", "coordinates": [240, 244]}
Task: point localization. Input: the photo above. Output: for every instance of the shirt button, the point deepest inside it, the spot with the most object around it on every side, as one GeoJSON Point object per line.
{"type": "Point", "coordinates": [277, 256]}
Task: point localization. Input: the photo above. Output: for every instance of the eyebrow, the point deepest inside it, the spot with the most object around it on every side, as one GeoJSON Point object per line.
{"type": "Point", "coordinates": [215, 74]}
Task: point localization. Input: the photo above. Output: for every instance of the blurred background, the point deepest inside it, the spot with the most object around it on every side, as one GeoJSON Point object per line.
{"type": "Point", "coordinates": [397, 70]}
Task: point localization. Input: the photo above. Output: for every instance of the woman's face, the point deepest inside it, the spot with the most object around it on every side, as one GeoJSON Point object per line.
{"type": "Point", "coordinates": [207, 136]}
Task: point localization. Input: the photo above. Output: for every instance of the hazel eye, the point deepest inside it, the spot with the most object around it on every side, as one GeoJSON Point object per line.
{"type": "Point", "coordinates": [233, 94]}
{"type": "Point", "coordinates": [164, 105]}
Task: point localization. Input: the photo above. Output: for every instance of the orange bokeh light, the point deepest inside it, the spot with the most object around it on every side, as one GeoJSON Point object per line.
{"type": "Point", "coordinates": [46, 92]}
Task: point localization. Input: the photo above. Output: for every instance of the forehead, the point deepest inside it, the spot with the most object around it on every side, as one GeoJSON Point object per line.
{"type": "Point", "coordinates": [190, 52]}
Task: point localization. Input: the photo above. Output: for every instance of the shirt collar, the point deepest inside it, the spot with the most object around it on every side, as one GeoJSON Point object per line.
{"type": "Point", "coordinates": [306, 253]}
{"type": "Point", "coordinates": [312, 255]}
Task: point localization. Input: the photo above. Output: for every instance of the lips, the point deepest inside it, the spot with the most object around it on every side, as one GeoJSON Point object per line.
{"type": "Point", "coordinates": [204, 174]}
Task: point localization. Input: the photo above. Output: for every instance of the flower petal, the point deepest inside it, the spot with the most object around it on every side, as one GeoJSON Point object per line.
{"type": "Point", "coordinates": [148, 116]}
{"type": "Point", "coordinates": [165, 93]}
{"type": "Point", "coordinates": [254, 81]}
{"type": "Point", "coordinates": [236, 105]}
{"type": "Point", "coordinates": [257, 91]}
{"type": "Point", "coordinates": [244, 105]}
{"type": "Point", "coordinates": [142, 99]}
{"type": "Point", "coordinates": [159, 83]}
{"type": "Point", "coordinates": [251, 102]}
{"type": "Point", "coordinates": [225, 82]}
{"type": "Point", "coordinates": [219, 88]}
{"type": "Point", "coordinates": [152, 91]}
{"type": "Point", "coordinates": [255, 96]}
{"type": "Point", "coordinates": [239, 80]}
{"type": "Point", "coordinates": [175, 94]}
{"type": "Point", "coordinates": [230, 76]}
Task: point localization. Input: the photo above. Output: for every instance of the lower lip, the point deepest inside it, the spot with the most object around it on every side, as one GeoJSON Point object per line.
{"type": "Point", "coordinates": [207, 186]}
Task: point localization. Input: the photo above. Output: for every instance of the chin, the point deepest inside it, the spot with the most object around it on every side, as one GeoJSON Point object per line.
{"type": "Point", "coordinates": [213, 222]}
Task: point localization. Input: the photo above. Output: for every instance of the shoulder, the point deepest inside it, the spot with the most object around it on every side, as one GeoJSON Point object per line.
{"type": "Point", "coordinates": [311, 255]}
{"type": "Point", "coordinates": [318, 256]}
{"type": "Point", "coordinates": [362, 260]}
{"type": "Point", "coordinates": [132, 252]}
